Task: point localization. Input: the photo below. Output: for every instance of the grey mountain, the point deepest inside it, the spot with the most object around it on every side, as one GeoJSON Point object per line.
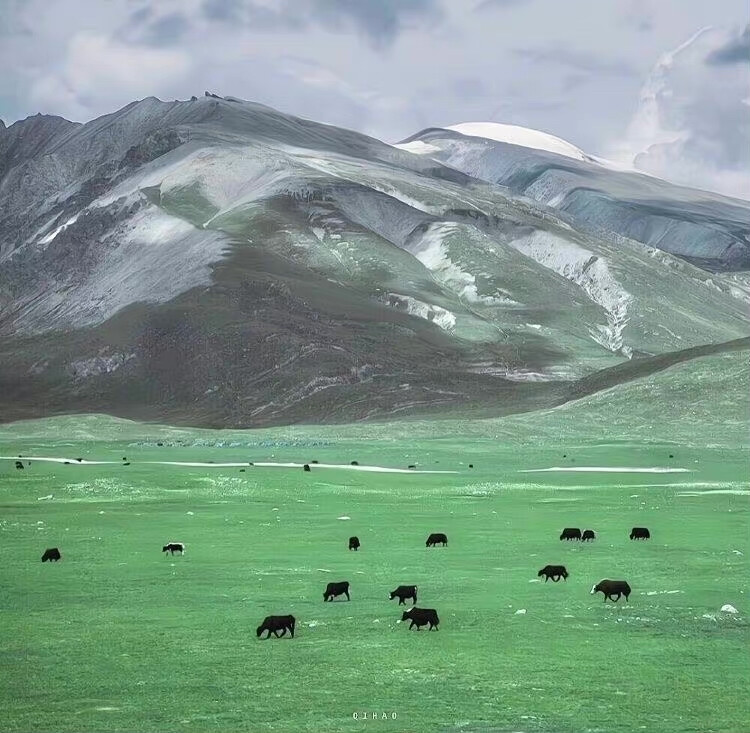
{"type": "Point", "coordinates": [216, 262]}
{"type": "Point", "coordinates": [710, 230]}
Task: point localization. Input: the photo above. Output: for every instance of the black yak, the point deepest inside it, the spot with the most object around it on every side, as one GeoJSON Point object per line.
{"type": "Point", "coordinates": [51, 553]}
{"type": "Point", "coordinates": [436, 538]}
{"type": "Point", "coordinates": [588, 534]}
{"type": "Point", "coordinates": [354, 543]}
{"type": "Point", "coordinates": [274, 624]}
{"type": "Point", "coordinates": [403, 592]}
{"type": "Point", "coordinates": [640, 533]}
{"type": "Point", "coordinates": [172, 547]}
{"type": "Point", "coordinates": [553, 571]}
{"type": "Point", "coordinates": [612, 589]}
{"type": "Point", "coordinates": [421, 617]}
{"type": "Point", "coordinates": [571, 533]}
{"type": "Point", "coordinates": [336, 589]}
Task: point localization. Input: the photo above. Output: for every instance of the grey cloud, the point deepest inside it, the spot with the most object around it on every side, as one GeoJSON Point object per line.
{"type": "Point", "coordinates": [468, 87]}
{"type": "Point", "coordinates": [167, 30]}
{"type": "Point", "coordinates": [581, 62]}
{"type": "Point", "coordinates": [255, 17]}
{"type": "Point", "coordinates": [498, 4]}
{"type": "Point", "coordinates": [140, 16]}
{"type": "Point", "coordinates": [573, 81]}
{"type": "Point", "coordinates": [379, 21]}
{"type": "Point", "coordinates": [737, 51]}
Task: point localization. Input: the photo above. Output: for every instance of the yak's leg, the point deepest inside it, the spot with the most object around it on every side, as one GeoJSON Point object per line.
{"type": "Point", "coordinates": [346, 592]}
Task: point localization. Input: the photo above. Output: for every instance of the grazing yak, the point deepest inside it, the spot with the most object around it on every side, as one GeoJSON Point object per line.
{"type": "Point", "coordinates": [421, 617]}
{"type": "Point", "coordinates": [51, 553]}
{"type": "Point", "coordinates": [172, 547]}
{"type": "Point", "coordinates": [612, 589]}
{"type": "Point", "coordinates": [436, 538]}
{"type": "Point", "coordinates": [19, 466]}
{"type": "Point", "coordinates": [336, 589]}
{"type": "Point", "coordinates": [571, 533]}
{"type": "Point", "coordinates": [640, 533]}
{"type": "Point", "coordinates": [354, 543]}
{"type": "Point", "coordinates": [274, 624]}
{"type": "Point", "coordinates": [354, 463]}
{"type": "Point", "coordinates": [553, 571]}
{"type": "Point", "coordinates": [403, 592]}
{"type": "Point", "coordinates": [588, 534]}
{"type": "Point", "coordinates": [306, 467]}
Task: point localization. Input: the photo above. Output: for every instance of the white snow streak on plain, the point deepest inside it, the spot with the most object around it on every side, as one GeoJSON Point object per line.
{"type": "Point", "coordinates": [375, 469]}
{"type": "Point", "coordinates": [605, 469]}
{"type": "Point", "coordinates": [736, 492]}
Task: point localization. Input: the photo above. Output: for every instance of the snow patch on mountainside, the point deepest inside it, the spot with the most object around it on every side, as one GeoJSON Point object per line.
{"type": "Point", "coordinates": [435, 314]}
{"type": "Point", "coordinates": [592, 274]}
{"type": "Point", "coordinates": [418, 147]}
{"type": "Point", "coordinates": [49, 237]}
{"type": "Point", "coordinates": [434, 255]}
{"type": "Point", "coordinates": [523, 136]}
{"type": "Point", "coordinates": [157, 258]}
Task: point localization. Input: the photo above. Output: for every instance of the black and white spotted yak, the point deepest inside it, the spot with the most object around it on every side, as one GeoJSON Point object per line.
{"type": "Point", "coordinates": [173, 547]}
{"type": "Point", "coordinates": [274, 624]}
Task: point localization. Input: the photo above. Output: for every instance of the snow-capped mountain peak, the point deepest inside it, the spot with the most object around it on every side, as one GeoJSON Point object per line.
{"type": "Point", "coordinates": [516, 135]}
{"type": "Point", "coordinates": [525, 137]}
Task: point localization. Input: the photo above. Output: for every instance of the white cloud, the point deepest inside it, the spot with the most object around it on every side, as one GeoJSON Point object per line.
{"type": "Point", "coordinates": [692, 124]}
{"type": "Point", "coordinates": [103, 73]}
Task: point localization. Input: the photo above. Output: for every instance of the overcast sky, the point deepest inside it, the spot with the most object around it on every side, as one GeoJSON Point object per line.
{"type": "Point", "coordinates": [663, 82]}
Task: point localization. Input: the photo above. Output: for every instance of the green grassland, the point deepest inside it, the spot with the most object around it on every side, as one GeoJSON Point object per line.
{"type": "Point", "coordinates": [119, 637]}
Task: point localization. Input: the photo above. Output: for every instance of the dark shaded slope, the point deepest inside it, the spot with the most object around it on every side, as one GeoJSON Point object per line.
{"type": "Point", "coordinates": [269, 344]}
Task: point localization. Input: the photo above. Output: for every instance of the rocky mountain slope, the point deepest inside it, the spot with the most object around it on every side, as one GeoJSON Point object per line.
{"type": "Point", "coordinates": [216, 262]}
{"type": "Point", "coordinates": [710, 230]}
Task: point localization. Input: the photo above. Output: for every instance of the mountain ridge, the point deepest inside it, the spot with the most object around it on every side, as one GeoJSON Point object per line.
{"type": "Point", "coordinates": [220, 261]}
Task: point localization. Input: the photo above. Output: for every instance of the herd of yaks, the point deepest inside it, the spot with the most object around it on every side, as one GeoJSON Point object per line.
{"type": "Point", "coordinates": [419, 617]}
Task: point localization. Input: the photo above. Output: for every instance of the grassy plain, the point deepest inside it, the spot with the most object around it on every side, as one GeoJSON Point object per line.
{"type": "Point", "coordinates": [118, 637]}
